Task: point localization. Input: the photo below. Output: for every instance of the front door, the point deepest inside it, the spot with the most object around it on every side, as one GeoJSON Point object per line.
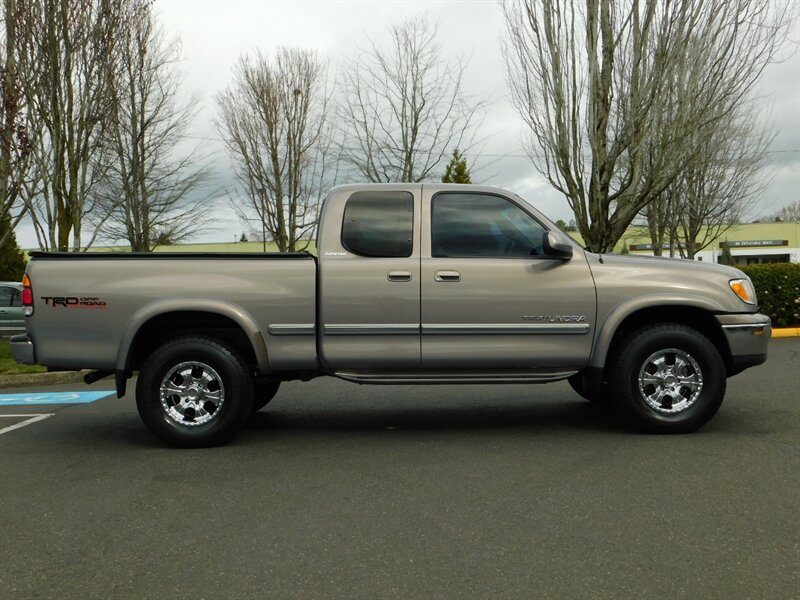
{"type": "Point", "coordinates": [491, 299]}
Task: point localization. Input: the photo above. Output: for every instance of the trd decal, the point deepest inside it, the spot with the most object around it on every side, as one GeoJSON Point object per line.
{"type": "Point", "coordinates": [73, 302]}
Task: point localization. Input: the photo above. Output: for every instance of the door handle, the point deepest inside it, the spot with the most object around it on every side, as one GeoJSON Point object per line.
{"type": "Point", "coordinates": [447, 276]}
{"type": "Point", "coordinates": [399, 276]}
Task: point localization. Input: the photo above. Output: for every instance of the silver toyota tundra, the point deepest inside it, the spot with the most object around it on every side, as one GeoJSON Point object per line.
{"type": "Point", "coordinates": [414, 283]}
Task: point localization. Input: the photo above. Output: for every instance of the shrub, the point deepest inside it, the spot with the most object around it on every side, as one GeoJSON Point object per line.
{"type": "Point", "coordinates": [778, 290]}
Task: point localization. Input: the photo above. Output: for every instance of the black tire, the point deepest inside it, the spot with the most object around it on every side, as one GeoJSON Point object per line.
{"type": "Point", "coordinates": [597, 396]}
{"type": "Point", "coordinates": [683, 379]}
{"type": "Point", "coordinates": [213, 392]}
{"type": "Point", "coordinates": [265, 390]}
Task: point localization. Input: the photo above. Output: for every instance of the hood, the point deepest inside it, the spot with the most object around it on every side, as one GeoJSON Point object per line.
{"type": "Point", "coordinates": [619, 278]}
{"type": "Point", "coordinates": [693, 266]}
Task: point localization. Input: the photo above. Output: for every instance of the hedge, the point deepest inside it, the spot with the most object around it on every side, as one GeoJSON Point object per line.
{"type": "Point", "coordinates": [778, 291]}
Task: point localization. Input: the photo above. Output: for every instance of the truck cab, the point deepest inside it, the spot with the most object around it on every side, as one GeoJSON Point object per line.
{"type": "Point", "coordinates": [443, 282]}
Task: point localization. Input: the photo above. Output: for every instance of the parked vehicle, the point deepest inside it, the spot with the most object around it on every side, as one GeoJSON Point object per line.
{"type": "Point", "coordinates": [413, 284]}
{"type": "Point", "coordinates": [12, 320]}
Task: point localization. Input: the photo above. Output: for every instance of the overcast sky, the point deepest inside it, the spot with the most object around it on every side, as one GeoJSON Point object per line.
{"type": "Point", "coordinates": [215, 34]}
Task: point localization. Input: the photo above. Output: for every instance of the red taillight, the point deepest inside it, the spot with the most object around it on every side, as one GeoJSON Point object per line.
{"type": "Point", "coordinates": [27, 295]}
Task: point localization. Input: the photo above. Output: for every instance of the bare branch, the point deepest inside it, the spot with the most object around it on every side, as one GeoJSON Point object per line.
{"type": "Point", "coordinates": [404, 109]}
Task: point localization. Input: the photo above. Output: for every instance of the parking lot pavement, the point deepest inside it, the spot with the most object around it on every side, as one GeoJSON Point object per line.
{"type": "Point", "coordinates": [341, 491]}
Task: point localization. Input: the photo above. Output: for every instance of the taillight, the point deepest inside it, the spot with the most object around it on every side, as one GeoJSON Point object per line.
{"type": "Point", "coordinates": [27, 296]}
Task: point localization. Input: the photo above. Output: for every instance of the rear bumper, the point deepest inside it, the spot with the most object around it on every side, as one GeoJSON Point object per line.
{"type": "Point", "coordinates": [22, 349]}
{"type": "Point", "coordinates": [747, 337]}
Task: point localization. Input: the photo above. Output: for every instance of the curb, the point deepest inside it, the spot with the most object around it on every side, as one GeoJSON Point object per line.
{"type": "Point", "coordinates": [26, 379]}
{"type": "Point", "coordinates": [786, 332]}
{"type": "Point", "coordinates": [77, 376]}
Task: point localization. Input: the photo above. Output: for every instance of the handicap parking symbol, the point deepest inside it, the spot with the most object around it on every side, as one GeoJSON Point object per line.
{"type": "Point", "coordinates": [32, 398]}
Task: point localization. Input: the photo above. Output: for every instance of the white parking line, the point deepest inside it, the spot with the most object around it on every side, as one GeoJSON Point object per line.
{"type": "Point", "coordinates": [34, 419]}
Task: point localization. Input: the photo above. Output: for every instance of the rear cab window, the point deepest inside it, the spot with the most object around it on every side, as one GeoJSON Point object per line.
{"type": "Point", "coordinates": [379, 224]}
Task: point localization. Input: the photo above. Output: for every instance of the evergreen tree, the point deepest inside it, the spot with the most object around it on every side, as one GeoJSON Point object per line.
{"type": "Point", "coordinates": [725, 257]}
{"type": "Point", "coordinates": [12, 261]}
{"type": "Point", "coordinates": [458, 170]}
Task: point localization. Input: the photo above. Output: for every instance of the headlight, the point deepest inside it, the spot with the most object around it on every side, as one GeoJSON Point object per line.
{"type": "Point", "coordinates": [744, 289]}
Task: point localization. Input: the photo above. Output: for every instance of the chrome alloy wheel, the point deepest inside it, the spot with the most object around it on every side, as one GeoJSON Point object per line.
{"type": "Point", "coordinates": [670, 381]}
{"type": "Point", "coordinates": [192, 393]}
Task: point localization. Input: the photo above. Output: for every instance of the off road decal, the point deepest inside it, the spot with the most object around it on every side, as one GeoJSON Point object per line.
{"type": "Point", "coordinates": [73, 301]}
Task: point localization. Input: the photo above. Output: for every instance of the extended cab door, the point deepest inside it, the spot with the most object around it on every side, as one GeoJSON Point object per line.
{"type": "Point", "coordinates": [491, 298]}
{"type": "Point", "coordinates": [369, 292]}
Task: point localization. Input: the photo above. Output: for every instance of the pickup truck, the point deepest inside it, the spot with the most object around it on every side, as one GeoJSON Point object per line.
{"type": "Point", "coordinates": [413, 283]}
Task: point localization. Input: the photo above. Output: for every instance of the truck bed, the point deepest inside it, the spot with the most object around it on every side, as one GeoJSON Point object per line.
{"type": "Point", "coordinates": [86, 305]}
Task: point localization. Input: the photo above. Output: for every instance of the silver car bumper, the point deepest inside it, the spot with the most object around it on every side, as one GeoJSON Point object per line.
{"type": "Point", "coordinates": [22, 349]}
{"type": "Point", "coordinates": [747, 337]}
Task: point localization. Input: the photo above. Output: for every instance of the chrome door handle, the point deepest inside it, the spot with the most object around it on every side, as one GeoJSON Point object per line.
{"type": "Point", "coordinates": [399, 276]}
{"type": "Point", "coordinates": [447, 276]}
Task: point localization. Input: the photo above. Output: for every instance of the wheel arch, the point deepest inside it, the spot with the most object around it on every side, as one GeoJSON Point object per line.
{"type": "Point", "coordinates": [159, 321]}
{"type": "Point", "coordinates": [696, 313]}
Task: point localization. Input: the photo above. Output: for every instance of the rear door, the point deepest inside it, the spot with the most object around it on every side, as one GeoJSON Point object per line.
{"type": "Point", "coordinates": [370, 281]}
{"type": "Point", "coordinates": [491, 298]}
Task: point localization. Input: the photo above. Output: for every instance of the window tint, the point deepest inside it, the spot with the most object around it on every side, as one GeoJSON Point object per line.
{"type": "Point", "coordinates": [483, 225]}
{"type": "Point", "coordinates": [379, 224]}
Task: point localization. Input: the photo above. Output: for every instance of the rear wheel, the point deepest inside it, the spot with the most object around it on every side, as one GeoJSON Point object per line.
{"type": "Point", "coordinates": [668, 378]}
{"type": "Point", "coordinates": [194, 392]}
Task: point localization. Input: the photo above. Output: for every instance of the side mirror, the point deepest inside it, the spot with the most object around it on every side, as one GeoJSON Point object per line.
{"type": "Point", "coordinates": [557, 246]}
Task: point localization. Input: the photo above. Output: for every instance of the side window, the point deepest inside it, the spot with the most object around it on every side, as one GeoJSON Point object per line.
{"type": "Point", "coordinates": [16, 298]}
{"type": "Point", "coordinates": [379, 224]}
{"type": "Point", "coordinates": [479, 225]}
{"type": "Point", "coordinates": [6, 293]}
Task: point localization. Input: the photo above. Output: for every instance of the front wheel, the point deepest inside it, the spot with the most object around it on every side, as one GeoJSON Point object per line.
{"type": "Point", "coordinates": [194, 392]}
{"type": "Point", "coordinates": [668, 378]}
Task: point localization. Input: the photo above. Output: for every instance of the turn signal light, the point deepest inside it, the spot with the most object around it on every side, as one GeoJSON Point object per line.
{"type": "Point", "coordinates": [27, 296]}
{"type": "Point", "coordinates": [744, 289]}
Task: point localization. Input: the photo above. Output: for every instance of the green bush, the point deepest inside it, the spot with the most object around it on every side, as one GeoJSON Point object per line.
{"type": "Point", "coordinates": [778, 290]}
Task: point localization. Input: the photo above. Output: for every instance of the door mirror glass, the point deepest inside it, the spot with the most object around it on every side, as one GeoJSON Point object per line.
{"type": "Point", "coordinates": [557, 245]}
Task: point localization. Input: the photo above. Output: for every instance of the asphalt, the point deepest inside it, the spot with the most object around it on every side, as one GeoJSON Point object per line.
{"type": "Point", "coordinates": [342, 491]}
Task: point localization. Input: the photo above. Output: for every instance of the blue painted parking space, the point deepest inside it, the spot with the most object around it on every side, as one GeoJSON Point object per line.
{"type": "Point", "coordinates": [32, 398]}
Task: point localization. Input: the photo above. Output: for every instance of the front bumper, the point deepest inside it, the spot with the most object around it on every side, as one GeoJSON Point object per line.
{"type": "Point", "coordinates": [22, 349]}
{"type": "Point", "coordinates": [747, 337]}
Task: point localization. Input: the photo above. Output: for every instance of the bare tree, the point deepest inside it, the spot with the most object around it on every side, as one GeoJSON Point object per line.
{"type": "Point", "coordinates": [616, 92]}
{"type": "Point", "coordinates": [404, 107]}
{"type": "Point", "coordinates": [65, 46]}
{"type": "Point", "coordinates": [15, 154]}
{"type": "Point", "coordinates": [789, 213]}
{"type": "Point", "coordinates": [274, 121]}
{"type": "Point", "coordinates": [150, 194]}
{"type": "Point", "coordinates": [717, 189]}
